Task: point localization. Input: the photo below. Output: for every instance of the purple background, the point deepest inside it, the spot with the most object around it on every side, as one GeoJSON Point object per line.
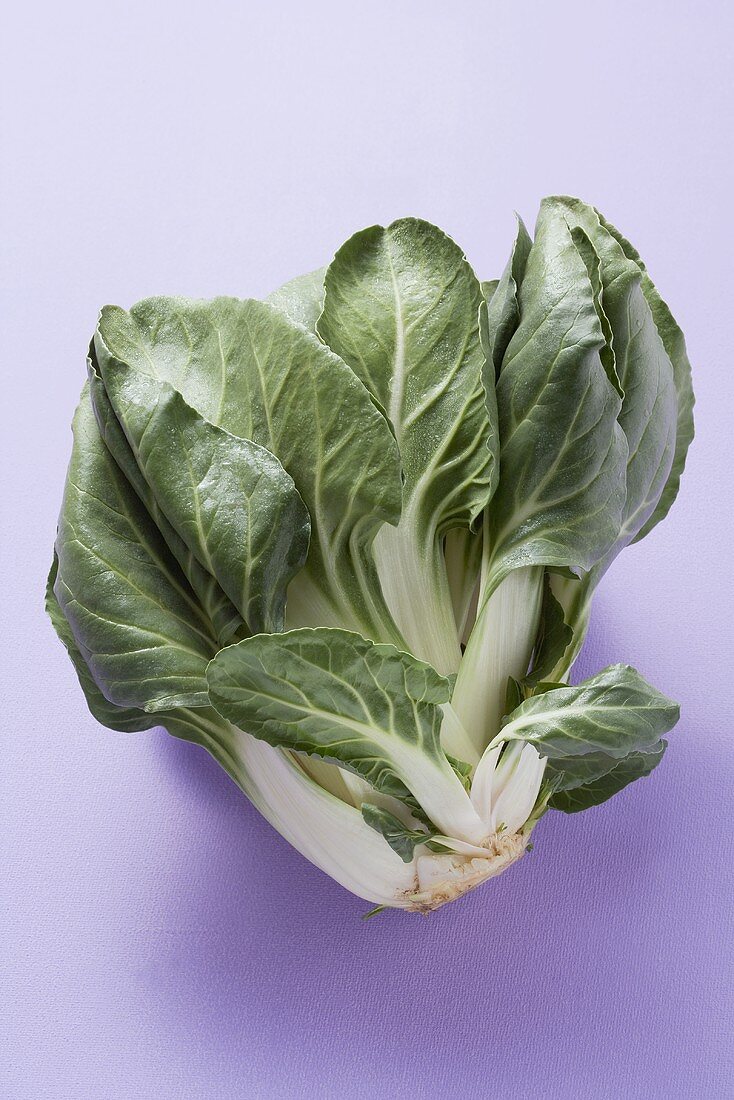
{"type": "Point", "coordinates": [158, 938]}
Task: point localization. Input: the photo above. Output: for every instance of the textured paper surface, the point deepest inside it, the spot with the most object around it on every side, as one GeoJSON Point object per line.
{"type": "Point", "coordinates": [158, 939]}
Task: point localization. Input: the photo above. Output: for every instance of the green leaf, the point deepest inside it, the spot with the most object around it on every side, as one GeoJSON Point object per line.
{"type": "Point", "coordinates": [221, 612]}
{"type": "Point", "coordinates": [646, 377]}
{"type": "Point", "coordinates": [501, 314]}
{"type": "Point", "coordinates": [132, 613]}
{"type": "Point", "coordinates": [574, 594]}
{"type": "Point", "coordinates": [546, 685]}
{"type": "Point", "coordinates": [592, 263]}
{"type": "Point", "coordinates": [561, 490]}
{"type": "Point", "coordinates": [574, 772]}
{"type": "Point", "coordinates": [229, 499]}
{"type": "Point", "coordinates": [514, 695]}
{"type": "Point", "coordinates": [489, 288]}
{"type": "Point", "coordinates": [615, 712]}
{"type": "Point", "coordinates": [563, 572]}
{"type": "Point", "coordinates": [401, 838]}
{"type": "Point", "coordinates": [649, 406]}
{"type": "Point", "coordinates": [675, 346]}
{"type": "Point", "coordinates": [202, 726]}
{"type": "Point", "coordinates": [368, 707]}
{"type": "Point", "coordinates": [249, 369]}
{"type": "Point", "coordinates": [568, 772]}
{"type": "Point", "coordinates": [401, 308]}
{"type": "Point", "coordinates": [597, 790]}
{"type": "Point", "coordinates": [123, 719]}
{"type": "Point", "coordinates": [554, 637]}
{"type": "Point", "coordinates": [374, 912]}
{"type": "Point", "coordinates": [461, 769]}
{"type": "Point", "coordinates": [301, 299]}
{"type": "Point", "coordinates": [401, 303]}
{"type": "Point", "coordinates": [571, 772]}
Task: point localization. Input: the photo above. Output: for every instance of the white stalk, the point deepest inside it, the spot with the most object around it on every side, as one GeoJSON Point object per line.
{"type": "Point", "coordinates": [351, 788]}
{"type": "Point", "coordinates": [471, 615]}
{"type": "Point", "coordinates": [500, 645]}
{"type": "Point", "coordinates": [483, 782]}
{"type": "Point", "coordinates": [329, 776]}
{"type": "Point", "coordinates": [513, 801]}
{"type": "Point", "coordinates": [416, 590]}
{"type": "Point", "coordinates": [340, 782]}
{"type": "Point", "coordinates": [454, 738]}
{"type": "Point", "coordinates": [461, 847]}
{"type": "Point", "coordinates": [428, 776]}
{"type": "Point", "coordinates": [463, 555]}
{"type": "Point", "coordinates": [439, 792]}
{"type": "Point", "coordinates": [309, 605]}
{"type": "Point", "coordinates": [312, 604]}
{"type": "Point", "coordinates": [505, 793]}
{"type": "Point", "coordinates": [327, 831]}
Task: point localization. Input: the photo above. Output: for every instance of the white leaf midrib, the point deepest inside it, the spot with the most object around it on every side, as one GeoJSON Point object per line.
{"type": "Point", "coordinates": [397, 382]}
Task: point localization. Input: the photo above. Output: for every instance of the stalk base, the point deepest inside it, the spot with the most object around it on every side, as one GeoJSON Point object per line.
{"type": "Point", "coordinates": [444, 878]}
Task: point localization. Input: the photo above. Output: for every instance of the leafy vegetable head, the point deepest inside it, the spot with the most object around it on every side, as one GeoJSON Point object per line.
{"type": "Point", "coordinates": [347, 539]}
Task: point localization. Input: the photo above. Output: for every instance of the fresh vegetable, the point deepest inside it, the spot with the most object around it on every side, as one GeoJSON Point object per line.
{"type": "Point", "coordinates": [348, 540]}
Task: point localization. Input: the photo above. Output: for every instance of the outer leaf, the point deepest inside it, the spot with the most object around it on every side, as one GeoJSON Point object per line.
{"type": "Point", "coordinates": [301, 299]}
{"type": "Point", "coordinates": [229, 499]}
{"type": "Point", "coordinates": [123, 719]}
{"type": "Point", "coordinates": [561, 491]}
{"type": "Point", "coordinates": [223, 615]}
{"type": "Point", "coordinates": [196, 726]}
{"type": "Point", "coordinates": [615, 712]}
{"type": "Point", "coordinates": [131, 611]}
{"type": "Point", "coordinates": [570, 772]}
{"type": "Point", "coordinates": [626, 771]}
{"type": "Point", "coordinates": [401, 308]}
{"type": "Point", "coordinates": [675, 346]}
{"type": "Point", "coordinates": [368, 707]}
{"type": "Point", "coordinates": [253, 372]}
{"type": "Point", "coordinates": [649, 408]}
